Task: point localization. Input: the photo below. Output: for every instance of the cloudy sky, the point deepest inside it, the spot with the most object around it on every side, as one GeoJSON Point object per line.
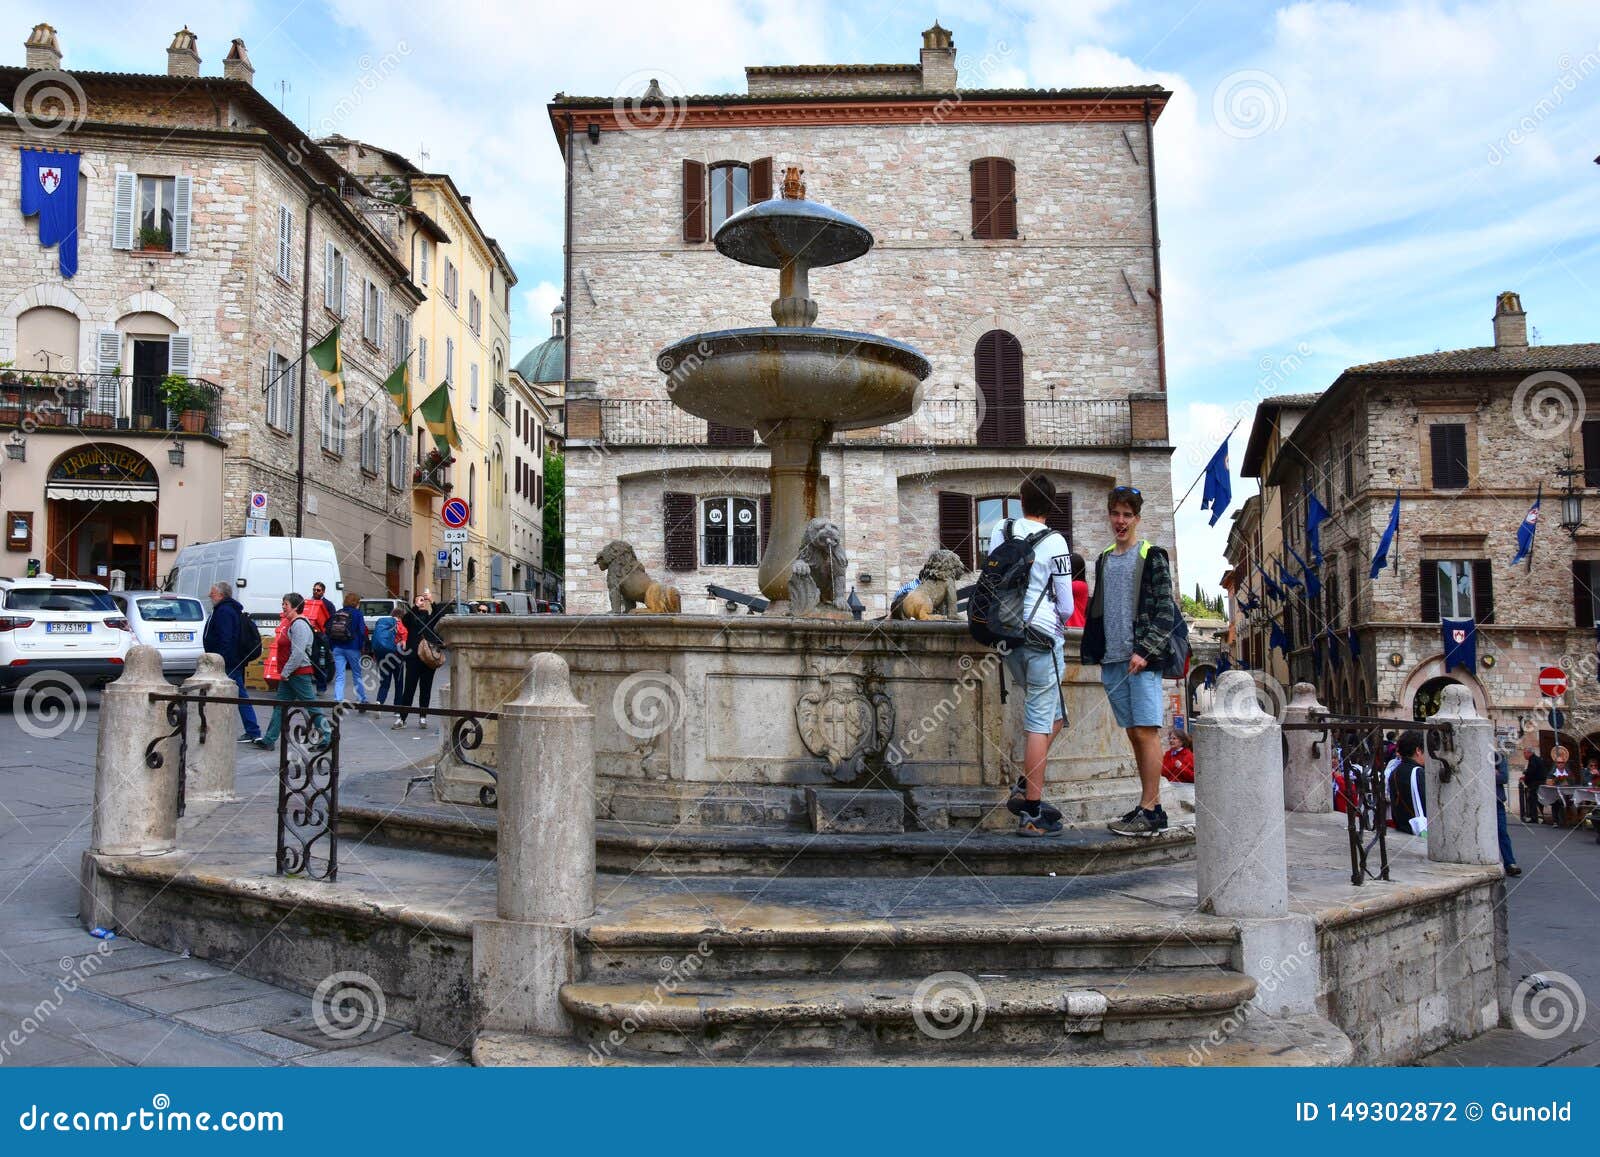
{"type": "Point", "coordinates": [1339, 182]}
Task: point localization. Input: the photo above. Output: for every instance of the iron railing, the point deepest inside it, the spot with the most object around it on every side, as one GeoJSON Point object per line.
{"type": "Point", "coordinates": [102, 402]}
{"type": "Point", "coordinates": [942, 422]}
{"type": "Point", "coordinates": [1359, 772]}
{"type": "Point", "coordinates": [308, 767]}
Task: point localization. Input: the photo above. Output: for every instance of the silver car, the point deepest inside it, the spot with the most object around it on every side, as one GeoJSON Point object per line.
{"type": "Point", "coordinates": [175, 625]}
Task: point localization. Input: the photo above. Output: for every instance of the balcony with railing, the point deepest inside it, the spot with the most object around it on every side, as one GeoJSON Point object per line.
{"type": "Point", "coordinates": [109, 402]}
{"type": "Point", "coordinates": [942, 422]}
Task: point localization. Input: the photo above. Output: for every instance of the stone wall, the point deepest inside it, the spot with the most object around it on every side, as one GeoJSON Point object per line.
{"type": "Point", "coordinates": [1413, 976]}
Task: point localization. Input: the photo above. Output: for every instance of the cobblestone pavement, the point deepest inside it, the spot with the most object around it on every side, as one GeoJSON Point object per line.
{"type": "Point", "coordinates": [72, 999]}
{"type": "Point", "coordinates": [76, 1000]}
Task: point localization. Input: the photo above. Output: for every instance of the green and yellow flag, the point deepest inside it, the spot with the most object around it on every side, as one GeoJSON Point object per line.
{"type": "Point", "coordinates": [435, 411]}
{"type": "Point", "coordinates": [329, 361]}
{"type": "Point", "coordinates": [398, 387]}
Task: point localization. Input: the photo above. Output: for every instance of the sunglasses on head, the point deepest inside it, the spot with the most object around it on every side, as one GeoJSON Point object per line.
{"type": "Point", "coordinates": [1127, 490]}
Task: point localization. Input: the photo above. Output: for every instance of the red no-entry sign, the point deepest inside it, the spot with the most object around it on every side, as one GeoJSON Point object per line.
{"type": "Point", "coordinates": [1552, 682]}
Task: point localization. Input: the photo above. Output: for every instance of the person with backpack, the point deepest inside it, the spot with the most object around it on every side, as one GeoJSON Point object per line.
{"type": "Point", "coordinates": [1404, 782]}
{"type": "Point", "coordinates": [387, 644]}
{"type": "Point", "coordinates": [1021, 601]}
{"type": "Point", "coordinates": [317, 613]}
{"type": "Point", "coordinates": [295, 681]}
{"type": "Point", "coordinates": [230, 633]}
{"type": "Point", "coordinates": [347, 636]}
{"type": "Point", "coordinates": [1132, 631]}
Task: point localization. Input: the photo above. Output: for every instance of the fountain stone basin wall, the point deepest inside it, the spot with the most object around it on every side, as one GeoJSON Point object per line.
{"type": "Point", "coordinates": [705, 721]}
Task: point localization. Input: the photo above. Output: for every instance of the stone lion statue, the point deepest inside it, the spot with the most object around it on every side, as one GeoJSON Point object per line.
{"type": "Point", "coordinates": [935, 592]}
{"type": "Point", "coordinates": [816, 582]}
{"type": "Point", "coordinates": [630, 584]}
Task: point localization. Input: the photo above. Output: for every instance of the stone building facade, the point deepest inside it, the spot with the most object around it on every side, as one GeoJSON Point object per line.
{"type": "Point", "coordinates": [197, 200]}
{"type": "Point", "coordinates": [1015, 222]}
{"type": "Point", "coordinates": [1467, 439]}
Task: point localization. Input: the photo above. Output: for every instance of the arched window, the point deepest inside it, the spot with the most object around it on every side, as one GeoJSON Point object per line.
{"type": "Point", "coordinates": [730, 532]}
{"type": "Point", "coordinates": [997, 366]}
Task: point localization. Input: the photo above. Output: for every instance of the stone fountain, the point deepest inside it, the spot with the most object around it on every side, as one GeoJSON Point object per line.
{"type": "Point", "coordinates": [794, 383]}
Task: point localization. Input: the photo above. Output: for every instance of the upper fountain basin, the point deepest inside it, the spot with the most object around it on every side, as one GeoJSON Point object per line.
{"type": "Point", "coordinates": [743, 377]}
{"type": "Point", "coordinates": [774, 232]}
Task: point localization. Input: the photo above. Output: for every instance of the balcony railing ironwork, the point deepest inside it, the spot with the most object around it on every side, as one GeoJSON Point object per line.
{"type": "Point", "coordinates": [103, 402]}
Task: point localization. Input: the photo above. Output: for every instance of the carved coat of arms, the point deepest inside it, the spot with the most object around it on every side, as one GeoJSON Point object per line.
{"type": "Point", "coordinates": [845, 720]}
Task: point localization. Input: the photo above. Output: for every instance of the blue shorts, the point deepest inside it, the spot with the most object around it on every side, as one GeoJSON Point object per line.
{"type": "Point", "coordinates": [1135, 699]}
{"type": "Point", "coordinates": [1040, 672]}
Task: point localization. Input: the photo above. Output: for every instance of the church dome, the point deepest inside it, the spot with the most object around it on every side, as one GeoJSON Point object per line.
{"type": "Point", "coordinates": [547, 361]}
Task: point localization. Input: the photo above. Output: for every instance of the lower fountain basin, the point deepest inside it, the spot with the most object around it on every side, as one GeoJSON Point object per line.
{"type": "Point", "coordinates": [746, 377]}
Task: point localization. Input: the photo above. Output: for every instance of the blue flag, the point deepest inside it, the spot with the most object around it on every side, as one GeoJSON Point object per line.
{"type": "Point", "coordinates": [1285, 579]}
{"type": "Point", "coordinates": [1354, 642]}
{"type": "Point", "coordinates": [1460, 644]}
{"type": "Point", "coordinates": [1269, 586]}
{"type": "Point", "coordinates": [1249, 602]}
{"type": "Point", "coordinates": [1334, 653]}
{"type": "Point", "coordinates": [1313, 583]}
{"type": "Point", "coordinates": [1218, 490]}
{"type": "Point", "coordinates": [1224, 663]}
{"type": "Point", "coordinates": [50, 189]}
{"type": "Point", "coordinates": [1276, 638]}
{"type": "Point", "coordinates": [1380, 557]}
{"type": "Point", "coordinates": [1525, 532]}
{"type": "Point", "coordinates": [1316, 515]}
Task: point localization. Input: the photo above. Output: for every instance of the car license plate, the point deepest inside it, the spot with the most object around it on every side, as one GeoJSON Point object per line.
{"type": "Point", "coordinates": [66, 628]}
{"type": "Point", "coordinates": [177, 636]}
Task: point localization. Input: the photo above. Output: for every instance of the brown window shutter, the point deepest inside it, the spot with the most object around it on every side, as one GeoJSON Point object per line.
{"type": "Point", "coordinates": [1591, 452]}
{"type": "Point", "coordinates": [1482, 590]}
{"type": "Point", "coordinates": [1449, 445]}
{"type": "Point", "coordinates": [766, 520]}
{"type": "Point", "coordinates": [719, 435]}
{"type": "Point", "coordinates": [761, 179]}
{"type": "Point", "coordinates": [982, 199]}
{"type": "Point", "coordinates": [694, 201]}
{"type": "Point", "coordinates": [1004, 184]}
{"type": "Point", "coordinates": [1428, 574]}
{"type": "Point", "coordinates": [1582, 593]}
{"type": "Point", "coordinates": [997, 364]}
{"type": "Point", "coordinates": [678, 522]}
{"type": "Point", "coordinates": [955, 525]}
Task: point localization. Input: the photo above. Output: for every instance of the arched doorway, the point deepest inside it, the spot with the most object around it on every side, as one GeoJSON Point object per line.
{"type": "Point", "coordinates": [1430, 696]}
{"type": "Point", "coordinates": [102, 501]}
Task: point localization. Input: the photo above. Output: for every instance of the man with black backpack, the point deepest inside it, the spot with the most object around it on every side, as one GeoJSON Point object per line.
{"type": "Point", "coordinates": [231, 633]}
{"type": "Point", "coordinates": [1023, 596]}
{"type": "Point", "coordinates": [1130, 632]}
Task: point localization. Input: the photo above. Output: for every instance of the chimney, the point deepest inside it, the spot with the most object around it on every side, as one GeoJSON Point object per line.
{"type": "Point", "coordinates": [44, 50]}
{"type": "Point", "coordinates": [183, 54]}
{"type": "Point", "coordinates": [236, 65]}
{"type": "Point", "coordinates": [1510, 323]}
{"type": "Point", "coordinates": [938, 60]}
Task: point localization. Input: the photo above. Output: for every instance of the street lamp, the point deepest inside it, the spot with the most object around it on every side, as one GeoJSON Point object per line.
{"type": "Point", "coordinates": [1571, 499]}
{"type": "Point", "coordinates": [175, 453]}
{"type": "Point", "coordinates": [17, 448]}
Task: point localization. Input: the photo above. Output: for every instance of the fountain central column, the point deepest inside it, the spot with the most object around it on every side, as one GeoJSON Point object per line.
{"type": "Point", "coordinates": [796, 448]}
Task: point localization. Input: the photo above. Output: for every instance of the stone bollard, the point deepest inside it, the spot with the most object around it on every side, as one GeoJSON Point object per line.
{"type": "Point", "coordinates": [1238, 787]}
{"type": "Point", "coordinates": [210, 764]}
{"type": "Point", "coordinates": [1307, 778]}
{"type": "Point", "coordinates": [546, 856]}
{"type": "Point", "coordinates": [135, 807]}
{"type": "Point", "coordinates": [1462, 822]}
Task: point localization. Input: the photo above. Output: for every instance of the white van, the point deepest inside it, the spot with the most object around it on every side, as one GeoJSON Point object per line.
{"type": "Point", "coordinates": [261, 570]}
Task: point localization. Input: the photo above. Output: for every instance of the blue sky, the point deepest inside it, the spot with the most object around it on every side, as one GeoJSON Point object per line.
{"type": "Point", "coordinates": [1339, 182]}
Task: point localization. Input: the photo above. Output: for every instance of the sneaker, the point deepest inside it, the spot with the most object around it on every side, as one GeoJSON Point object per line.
{"type": "Point", "coordinates": [248, 738]}
{"type": "Point", "coordinates": [1039, 826]}
{"type": "Point", "coordinates": [262, 744]}
{"type": "Point", "coordinates": [1513, 870]}
{"type": "Point", "coordinates": [422, 723]}
{"type": "Point", "coordinates": [1019, 797]}
{"type": "Point", "coordinates": [1126, 817]}
{"type": "Point", "coordinates": [399, 722]}
{"type": "Point", "coordinates": [1143, 822]}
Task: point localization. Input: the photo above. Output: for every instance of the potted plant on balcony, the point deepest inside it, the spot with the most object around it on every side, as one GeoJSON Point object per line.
{"type": "Point", "coordinates": [153, 238]}
{"type": "Point", "coordinates": [189, 400]}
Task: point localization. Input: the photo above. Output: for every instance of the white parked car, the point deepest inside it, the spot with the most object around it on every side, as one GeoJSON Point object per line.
{"type": "Point", "coordinates": [63, 626]}
{"type": "Point", "coordinates": [173, 624]}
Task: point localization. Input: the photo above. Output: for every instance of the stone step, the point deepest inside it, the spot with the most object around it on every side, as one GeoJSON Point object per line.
{"type": "Point", "coordinates": [947, 1012]}
{"type": "Point", "coordinates": [643, 848]}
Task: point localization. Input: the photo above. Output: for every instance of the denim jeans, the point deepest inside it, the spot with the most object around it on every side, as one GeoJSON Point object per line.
{"type": "Point", "coordinates": [247, 713]}
{"type": "Point", "coordinates": [295, 689]}
{"type": "Point", "coordinates": [391, 673]}
{"type": "Point", "coordinates": [343, 658]}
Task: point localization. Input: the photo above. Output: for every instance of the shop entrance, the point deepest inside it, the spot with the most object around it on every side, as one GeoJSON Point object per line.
{"type": "Point", "coordinates": [102, 512]}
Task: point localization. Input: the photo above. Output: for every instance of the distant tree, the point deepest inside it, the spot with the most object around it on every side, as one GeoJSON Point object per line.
{"type": "Point", "coordinates": [555, 546]}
